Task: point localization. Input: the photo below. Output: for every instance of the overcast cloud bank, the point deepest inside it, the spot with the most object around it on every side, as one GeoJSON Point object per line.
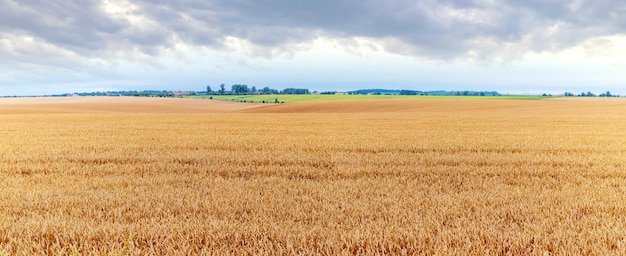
{"type": "Point", "coordinates": [93, 41]}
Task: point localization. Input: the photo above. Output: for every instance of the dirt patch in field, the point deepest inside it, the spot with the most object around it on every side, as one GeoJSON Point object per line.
{"type": "Point", "coordinates": [118, 104]}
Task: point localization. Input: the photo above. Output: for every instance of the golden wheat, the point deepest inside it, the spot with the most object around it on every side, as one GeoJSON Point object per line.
{"type": "Point", "coordinates": [406, 177]}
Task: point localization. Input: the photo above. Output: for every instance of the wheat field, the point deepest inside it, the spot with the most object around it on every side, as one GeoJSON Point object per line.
{"type": "Point", "coordinates": [128, 176]}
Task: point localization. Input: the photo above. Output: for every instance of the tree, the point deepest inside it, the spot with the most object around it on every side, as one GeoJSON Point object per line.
{"type": "Point", "coordinates": [240, 89]}
{"type": "Point", "coordinates": [295, 91]}
{"type": "Point", "coordinates": [208, 89]}
{"type": "Point", "coordinates": [606, 94]}
{"type": "Point", "coordinates": [222, 89]}
{"type": "Point", "coordinates": [253, 89]}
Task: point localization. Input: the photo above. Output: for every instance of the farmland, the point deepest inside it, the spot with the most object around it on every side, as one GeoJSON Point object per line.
{"type": "Point", "coordinates": [128, 176]}
{"type": "Point", "coordinates": [293, 98]}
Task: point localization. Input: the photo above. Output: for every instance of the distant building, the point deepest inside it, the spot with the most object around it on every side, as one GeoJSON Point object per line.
{"type": "Point", "coordinates": [179, 94]}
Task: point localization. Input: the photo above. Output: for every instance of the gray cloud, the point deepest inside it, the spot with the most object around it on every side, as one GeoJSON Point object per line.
{"type": "Point", "coordinates": [435, 29]}
{"type": "Point", "coordinates": [79, 26]}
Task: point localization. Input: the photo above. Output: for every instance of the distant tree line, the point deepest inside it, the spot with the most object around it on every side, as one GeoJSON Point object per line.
{"type": "Point", "coordinates": [416, 92]}
{"type": "Point", "coordinates": [146, 93]}
{"type": "Point", "coordinates": [243, 89]}
{"type": "Point", "coordinates": [235, 89]}
{"type": "Point", "coordinates": [589, 94]}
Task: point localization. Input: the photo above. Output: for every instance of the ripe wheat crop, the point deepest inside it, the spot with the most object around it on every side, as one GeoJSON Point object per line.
{"type": "Point", "coordinates": [363, 177]}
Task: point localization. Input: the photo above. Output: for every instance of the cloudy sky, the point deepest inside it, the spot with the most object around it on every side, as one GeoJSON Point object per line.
{"type": "Point", "coordinates": [518, 46]}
